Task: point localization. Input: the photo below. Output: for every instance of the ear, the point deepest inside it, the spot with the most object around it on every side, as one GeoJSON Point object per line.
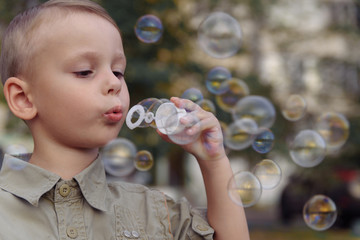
{"type": "Point", "coordinates": [16, 92]}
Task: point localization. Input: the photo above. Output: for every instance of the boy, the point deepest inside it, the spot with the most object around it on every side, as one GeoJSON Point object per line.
{"type": "Point", "coordinates": [62, 66]}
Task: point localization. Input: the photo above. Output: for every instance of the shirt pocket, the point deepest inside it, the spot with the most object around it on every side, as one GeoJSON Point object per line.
{"type": "Point", "coordinates": [128, 225]}
{"type": "Point", "coordinates": [200, 229]}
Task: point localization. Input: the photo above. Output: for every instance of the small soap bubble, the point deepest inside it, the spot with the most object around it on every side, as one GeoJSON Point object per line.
{"type": "Point", "coordinates": [354, 187]}
{"type": "Point", "coordinates": [334, 128]}
{"type": "Point", "coordinates": [308, 148]}
{"type": "Point", "coordinates": [264, 141]}
{"type": "Point", "coordinates": [143, 119]}
{"type": "Point", "coordinates": [192, 94]}
{"type": "Point", "coordinates": [219, 35]}
{"type": "Point", "coordinates": [319, 212]}
{"type": "Point", "coordinates": [216, 80]}
{"type": "Point", "coordinates": [118, 157]}
{"type": "Point", "coordinates": [148, 29]}
{"type": "Point", "coordinates": [16, 149]}
{"type": "Point", "coordinates": [240, 134]}
{"type": "Point", "coordinates": [258, 108]}
{"type": "Point", "coordinates": [268, 172]}
{"type": "Point", "coordinates": [150, 105]}
{"type": "Point", "coordinates": [236, 89]}
{"type": "Point", "coordinates": [181, 134]}
{"type": "Point", "coordinates": [244, 189]}
{"type": "Point", "coordinates": [207, 105]}
{"type": "Point", "coordinates": [294, 108]}
{"type": "Point", "coordinates": [15, 163]}
{"type": "Point", "coordinates": [144, 160]}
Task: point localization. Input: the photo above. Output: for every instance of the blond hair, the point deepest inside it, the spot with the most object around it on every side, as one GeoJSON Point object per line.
{"type": "Point", "coordinates": [18, 45]}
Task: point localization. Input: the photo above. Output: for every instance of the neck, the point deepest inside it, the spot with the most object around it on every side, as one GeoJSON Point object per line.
{"type": "Point", "coordinates": [65, 162]}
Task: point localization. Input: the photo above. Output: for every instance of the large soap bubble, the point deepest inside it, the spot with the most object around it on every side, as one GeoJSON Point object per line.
{"type": "Point", "coordinates": [216, 80]}
{"type": "Point", "coordinates": [264, 141]}
{"type": "Point", "coordinates": [244, 189]}
{"type": "Point", "coordinates": [320, 212]}
{"type": "Point", "coordinates": [334, 128]}
{"type": "Point", "coordinates": [219, 35]}
{"type": "Point", "coordinates": [118, 157]}
{"type": "Point", "coordinates": [294, 108]}
{"type": "Point", "coordinates": [240, 134]}
{"type": "Point", "coordinates": [308, 148]}
{"type": "Point", "coordinates": [148, 29]}
{"type": "Point", "coordinates": [235, 90]}
{"type": "Point", "coordinates": [258, 108]}
{"type": "Point", "coordinates": [268, 172]}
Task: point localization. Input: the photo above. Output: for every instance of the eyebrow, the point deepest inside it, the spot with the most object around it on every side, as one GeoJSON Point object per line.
{"type": "Point", "coordinates": [93, 56]}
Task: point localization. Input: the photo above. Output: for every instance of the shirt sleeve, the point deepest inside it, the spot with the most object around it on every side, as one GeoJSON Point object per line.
{"type": "Point", "coordinates": [188, 223]}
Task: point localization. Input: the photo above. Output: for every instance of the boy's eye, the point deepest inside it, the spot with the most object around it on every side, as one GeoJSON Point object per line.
{"type": "Point", "coordinates": [83, 74]}
{"type": "Point", "coordinates": [118, 74]}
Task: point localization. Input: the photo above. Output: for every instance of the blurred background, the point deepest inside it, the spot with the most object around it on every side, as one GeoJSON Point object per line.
{"type": "Point", "coordinates": [305, 47]}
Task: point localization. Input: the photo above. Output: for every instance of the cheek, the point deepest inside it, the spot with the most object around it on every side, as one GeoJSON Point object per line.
{"type": "Point", "coordinates": [125, 98]}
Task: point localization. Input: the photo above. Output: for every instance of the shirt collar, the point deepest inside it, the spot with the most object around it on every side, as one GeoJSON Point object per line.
{"type": "Point", "coordinates": [30, 182]}
{"type": "Point", "coordinates": [93, 184]}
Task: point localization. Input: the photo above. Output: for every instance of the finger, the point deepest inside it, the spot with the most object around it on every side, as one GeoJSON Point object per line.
{"type": "Point", "coordinates": [186, 104]}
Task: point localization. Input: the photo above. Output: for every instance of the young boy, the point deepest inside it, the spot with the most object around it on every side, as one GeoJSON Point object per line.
{"type": "Point", "coordinates": [62, 66]}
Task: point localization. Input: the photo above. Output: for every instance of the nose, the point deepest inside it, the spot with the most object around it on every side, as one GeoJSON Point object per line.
{"type": "Point", "coordinates": [114, 85]}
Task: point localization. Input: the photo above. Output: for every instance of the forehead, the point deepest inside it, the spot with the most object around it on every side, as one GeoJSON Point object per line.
{"type": "Point", "coordinates": [77, 28]}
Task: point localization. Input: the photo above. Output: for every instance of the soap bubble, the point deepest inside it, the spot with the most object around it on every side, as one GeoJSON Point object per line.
{"type": "Point", "coordinates": [142, 114]}
{"type": "Point", "coordinates": [319, 212]}
{"type": "Point", "coordinates": [294, 108]}
{"type": "Point", "coordinates": [144, 160]}
{"type": "Point", "coordinates": [180, 135]}
{"type": "Point", "coordinates": [150, 105]}
{"type": "Point", "coordinates": [235, 90]}
{"type": "Point", "coordinates": [193, 94]}
{"type": "Point", "coordinates": [207, 105]}
{"type": "Point", "coordinates": [308, 148]}
{"type": "Point", "coordinates": [216, 80]}
{"type": "Point", "coordinates": [16, 149]}
{"type": "Point", "coordinates": [264, 141]}
{"type": "Point", "coordinates": [268, 172]}
{"type": "Point", "coordinates": [354, 187]}
{"type": "Point", "coordinates": [148, 29]}
{"type": "Point", "coordinates": [118, 157]}
{"type": "Point", "coordinates": [240, 134]}
{"type": "Point", "coordinates": [334, 128]}
{"type": "Point", "coordinates": [258, 108]}
{"type": "Point", "coordinates": [16, 162]}
{"type": "Point", "coordinates": [219, 35]}
{"type": "Point", "coordinates": [244, 189]}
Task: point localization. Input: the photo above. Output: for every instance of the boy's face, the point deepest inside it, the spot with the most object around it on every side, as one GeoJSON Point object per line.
{"type": "Point", "coordinates": [77, 82]}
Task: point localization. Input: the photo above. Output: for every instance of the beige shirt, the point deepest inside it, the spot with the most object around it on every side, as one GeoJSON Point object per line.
{"type": "Point", "coordinates": [38, 204]}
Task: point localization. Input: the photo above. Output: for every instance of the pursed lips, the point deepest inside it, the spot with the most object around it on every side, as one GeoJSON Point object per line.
{"type": "Point", "coordinates": [114, 114]}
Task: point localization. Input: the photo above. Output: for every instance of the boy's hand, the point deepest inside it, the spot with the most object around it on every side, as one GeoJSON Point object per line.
{"type": "Point", "coordinates": [209, 143]}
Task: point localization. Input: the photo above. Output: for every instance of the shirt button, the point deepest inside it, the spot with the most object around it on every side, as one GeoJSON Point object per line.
{"type": "Point", "coordinates": [202, 227]}
{"type": "Point", "coordinates": [135, 234]}
{"type": "Point", "coordinates": [64, 190]}
{"type": "Point", "coordinates": [127, 233]}
{"type": "Point", "coordinates": [71, 232]}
